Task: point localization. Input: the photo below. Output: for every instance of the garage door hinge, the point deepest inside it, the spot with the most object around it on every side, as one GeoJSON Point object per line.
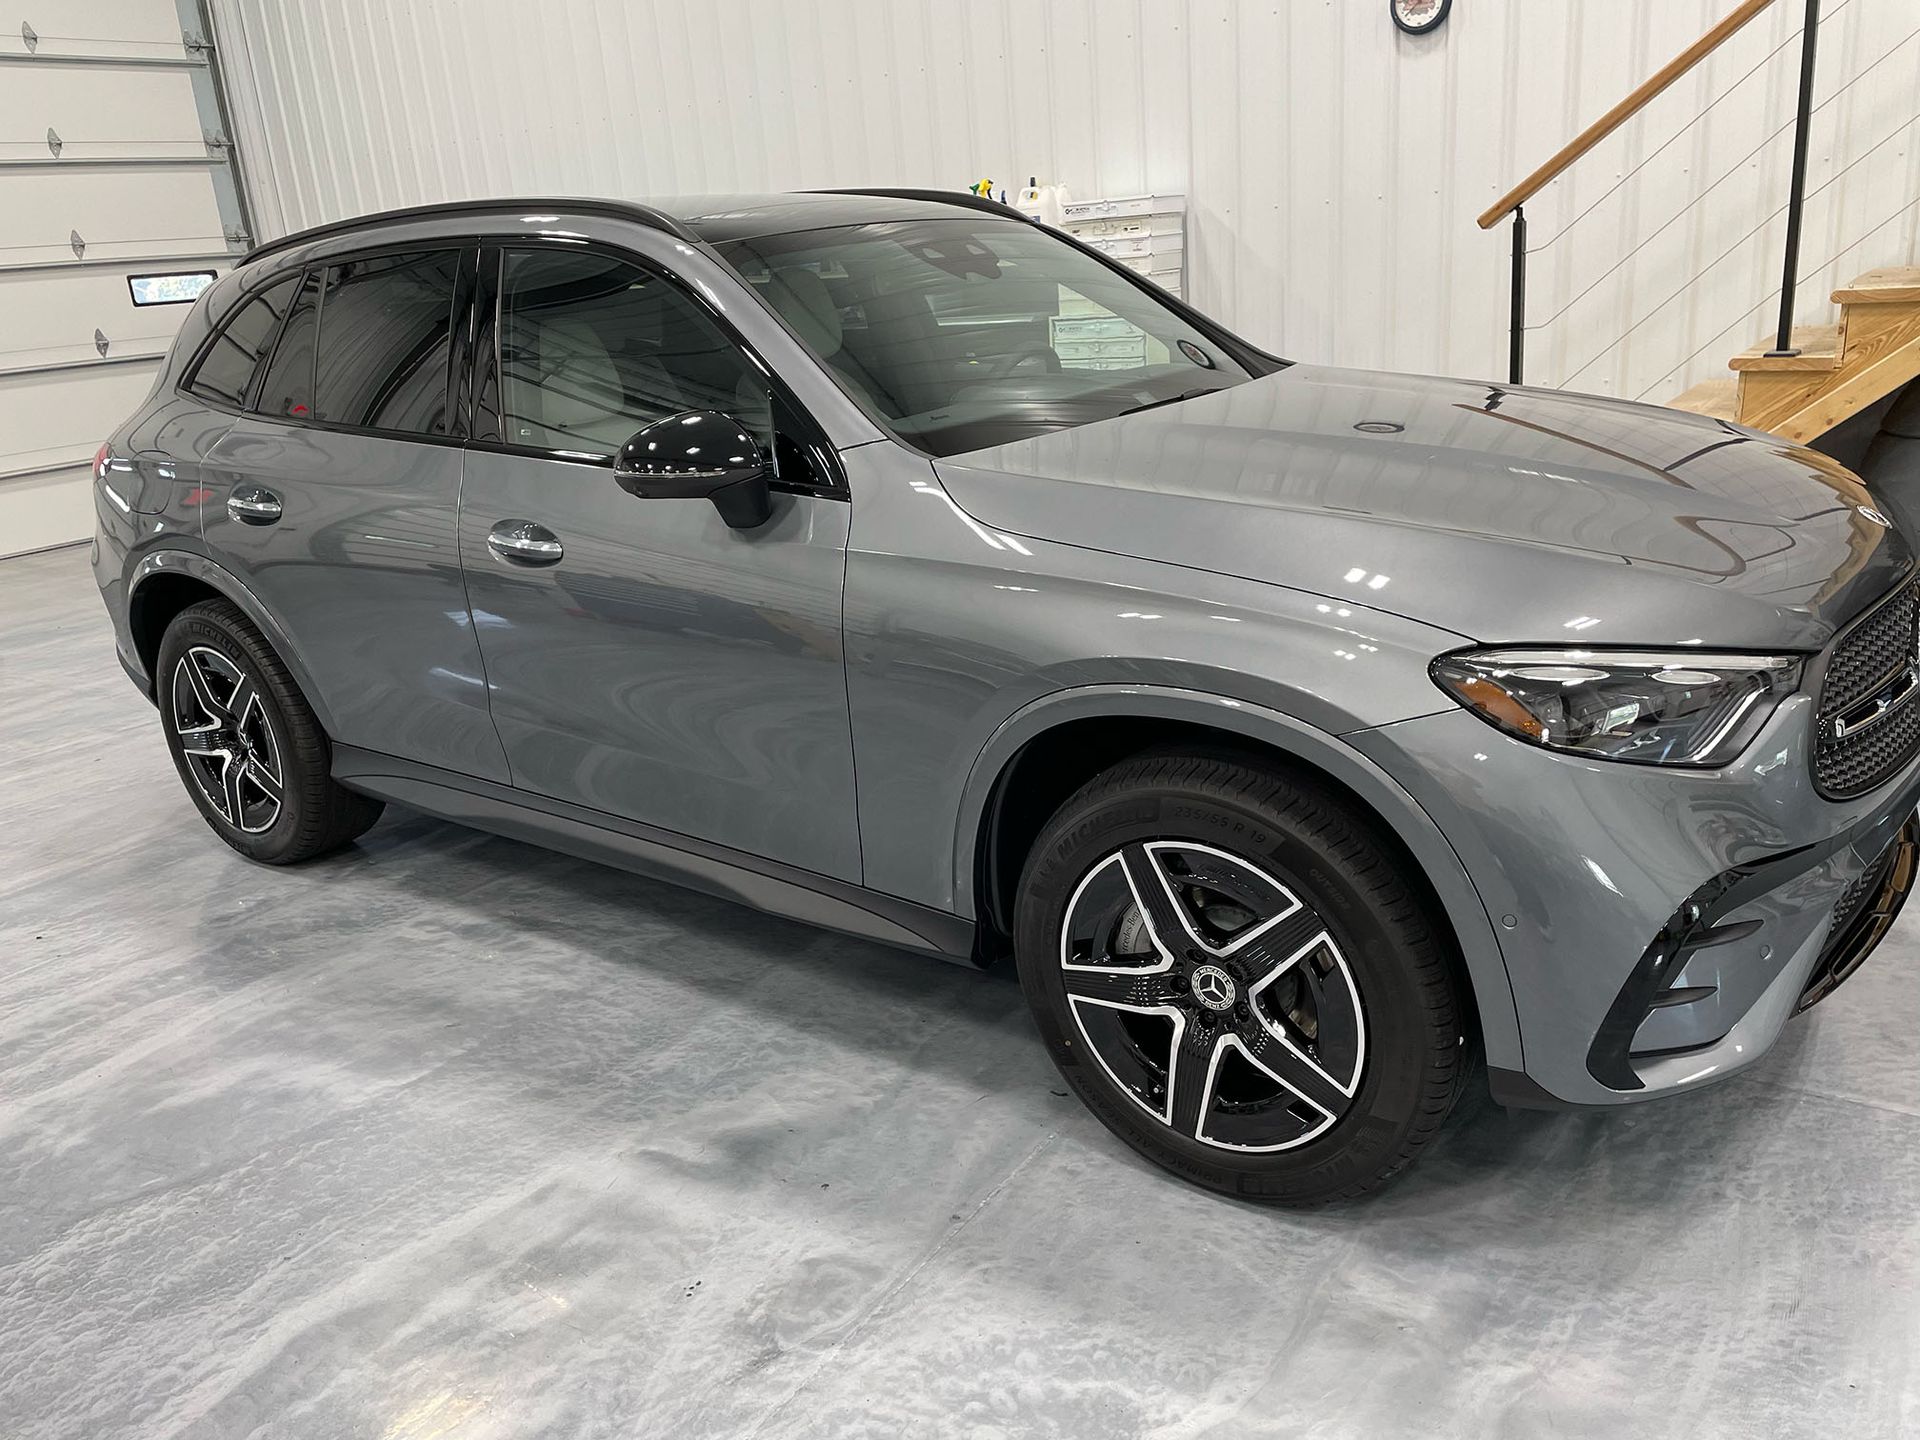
{"type": "Point", "coordinates": [100, 343]}
{"type": "Point", "coordinates": [193, 43]}
{"type": "Point", "coordinates": [216, 143]}
{"type": "Point", "coordinates": [236, 236]}
{"type": "Point", "coordinates": [79, 245]}
{"type": "Point", "coordinates": [54, 142]}
{"type": "Point", "coordinates": [27, 34]}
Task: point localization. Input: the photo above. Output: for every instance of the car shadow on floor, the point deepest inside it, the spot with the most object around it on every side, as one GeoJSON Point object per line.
{"type": "Point", "coordinates": [851, 993]}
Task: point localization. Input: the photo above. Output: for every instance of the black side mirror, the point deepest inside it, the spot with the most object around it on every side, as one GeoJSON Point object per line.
{"type": "Point", "coordinates": [699, 453]}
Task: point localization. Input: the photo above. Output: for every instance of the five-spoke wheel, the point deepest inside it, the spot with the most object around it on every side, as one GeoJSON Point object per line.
{"type": "Point", "coordinates": [232, 753]}
{"type": "Point", "coordinates": [1237, 974]}
{"type": "Point", "coordinates": [247, 743]}
{"type": "Point", "coordinates": [1212, 995]}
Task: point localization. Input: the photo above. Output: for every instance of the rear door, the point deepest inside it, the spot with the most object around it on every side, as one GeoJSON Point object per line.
{"type": "Point", "coordinates": [337, 496]}
{"type": "Point", "coordinates": [655, 664]}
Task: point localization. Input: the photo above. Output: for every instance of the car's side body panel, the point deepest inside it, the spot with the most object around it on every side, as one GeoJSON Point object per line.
{"type": "Point", "coordinates": [790, 890]}
{"type": "Point", "coordinates": [953, 628]}
{"type": "Point", "coordinates": [668, 668]}
{"type": "Point", "coordinates": [181, 557]}
{"type": "Point", "coordinates": [148, 502]}
{"type": "Point", "coordinates": [363, 569]}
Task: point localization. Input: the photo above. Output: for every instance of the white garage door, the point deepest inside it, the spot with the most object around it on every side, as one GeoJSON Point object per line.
{"type": "Point", "coordinates": [114, 164]}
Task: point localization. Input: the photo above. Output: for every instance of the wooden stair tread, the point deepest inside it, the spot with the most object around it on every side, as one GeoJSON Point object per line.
{"type": "Point", "coordinates": [1891, 284]}
{"type": "Point", "coordinates": [1839, 370]}
{"type": "Point", "coordinates": [1819, 347]}
{"type": "Point", "coordinates": [1718, 398]}
{"type": "Point", "coordinates": [1806, 405]}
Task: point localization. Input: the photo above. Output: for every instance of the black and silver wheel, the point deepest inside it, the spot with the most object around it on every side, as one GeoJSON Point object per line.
{"type": "Point", "coordinates": [231, 751]}
{"type": "Point", "coordinates": [1229, 970]}
{"type": "Point", "coordinates": [248, 747]}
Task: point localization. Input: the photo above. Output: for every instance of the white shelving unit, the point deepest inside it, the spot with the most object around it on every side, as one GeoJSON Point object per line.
{"type": "Point", "coordinates": [1147, 233]}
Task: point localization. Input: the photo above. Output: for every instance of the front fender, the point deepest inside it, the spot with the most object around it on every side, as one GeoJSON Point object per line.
{"type": "Point", "coordinates": [1389, 802]}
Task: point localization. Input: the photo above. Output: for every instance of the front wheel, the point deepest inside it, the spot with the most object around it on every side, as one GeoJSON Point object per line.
{"type": "Point", "coordinates": [1228, 968]}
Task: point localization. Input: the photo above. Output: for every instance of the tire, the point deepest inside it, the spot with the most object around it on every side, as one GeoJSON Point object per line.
{"type": "Point", "coordinates": [245, 740]}
{"type": "Point", "coordinates": [1300, 1055]}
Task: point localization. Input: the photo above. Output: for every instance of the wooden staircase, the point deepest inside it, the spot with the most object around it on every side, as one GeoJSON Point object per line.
{"type": "Point", "coordinates": [1840, 370]}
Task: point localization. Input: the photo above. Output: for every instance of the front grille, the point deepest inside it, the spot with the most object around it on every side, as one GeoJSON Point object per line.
{"type": "Point", "coordinates": [1870, 657]}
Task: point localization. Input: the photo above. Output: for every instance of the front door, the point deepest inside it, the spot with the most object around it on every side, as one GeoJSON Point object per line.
{"type": "Point", "coordinates": [644, 660]}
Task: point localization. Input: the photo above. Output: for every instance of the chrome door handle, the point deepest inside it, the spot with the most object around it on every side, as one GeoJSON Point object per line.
{"type": "Point", "coordinates": [253, 505]}
{"type": "Point", "coordinates": [521, 542]}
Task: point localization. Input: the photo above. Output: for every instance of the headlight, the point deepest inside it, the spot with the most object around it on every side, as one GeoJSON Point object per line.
{"type": "Point", "coordinates": [1649, 707]}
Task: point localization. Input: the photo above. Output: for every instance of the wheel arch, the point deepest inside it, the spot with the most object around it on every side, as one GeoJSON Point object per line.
{"type": "Point", "coordinates": [1047, 750]}
{"type": "Point", "coordinates": [165, 582]}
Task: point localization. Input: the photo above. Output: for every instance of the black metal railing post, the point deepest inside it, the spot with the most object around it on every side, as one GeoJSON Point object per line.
{"type": "Point", "coordinates": [1517, 336]}
{"type": "Point", "coordinates": [1796, 198]}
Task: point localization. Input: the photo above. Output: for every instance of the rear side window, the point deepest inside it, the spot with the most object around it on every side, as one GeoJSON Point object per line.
{"type": "Point", "coordinates": [226, 370]}
{"type": "Point", "coordinates": [385, 328]}
{"type": "Point", "coordinates": [287, 388]}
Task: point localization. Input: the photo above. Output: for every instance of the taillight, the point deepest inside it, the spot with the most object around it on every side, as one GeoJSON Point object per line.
{"type": "Point", "coordinates": [100, 459]}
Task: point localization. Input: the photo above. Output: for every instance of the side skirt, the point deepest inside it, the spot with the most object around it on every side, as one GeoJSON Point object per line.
{"type": "Point", "coordinates": [784, 890]}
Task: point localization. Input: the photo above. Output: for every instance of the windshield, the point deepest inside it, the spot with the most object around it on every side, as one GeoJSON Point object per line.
{"type": "Point", "coordinates": [959, 334]}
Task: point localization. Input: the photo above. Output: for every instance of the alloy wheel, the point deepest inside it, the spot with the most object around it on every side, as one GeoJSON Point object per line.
{"type": "Point", "coordinates": [1213, 996]}
{"type": "Point", "coordinates": [227, 739]}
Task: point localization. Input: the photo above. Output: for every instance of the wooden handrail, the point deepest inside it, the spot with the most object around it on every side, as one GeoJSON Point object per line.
{"type": "Point", "coordinates": [1621, 113]}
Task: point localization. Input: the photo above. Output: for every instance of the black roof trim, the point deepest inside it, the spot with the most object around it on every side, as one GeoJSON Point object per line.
{"type": "Point", "coordinates": [621, 209]}
{"type": "Point", "coordinates": [964, 199]}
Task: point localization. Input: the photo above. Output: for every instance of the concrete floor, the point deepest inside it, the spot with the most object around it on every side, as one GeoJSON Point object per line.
{"type": "Point", "coordinates": [447, 1136]}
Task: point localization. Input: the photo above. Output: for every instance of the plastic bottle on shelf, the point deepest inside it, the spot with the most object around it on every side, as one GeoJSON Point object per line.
{"type": "Point", "coordinates": [1041, 202]}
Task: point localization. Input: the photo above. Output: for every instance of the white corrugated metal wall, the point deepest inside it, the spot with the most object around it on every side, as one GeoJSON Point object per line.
{"type": "Point", "coordinates": [1334, 166]}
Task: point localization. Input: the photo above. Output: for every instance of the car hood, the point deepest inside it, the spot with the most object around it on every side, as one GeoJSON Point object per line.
{"type": "Point", "coordinates": [1502, 514]}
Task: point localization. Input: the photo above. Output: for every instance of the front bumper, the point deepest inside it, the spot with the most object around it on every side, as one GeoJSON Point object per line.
{"type": "Point", "coordinates": [1659, 926]}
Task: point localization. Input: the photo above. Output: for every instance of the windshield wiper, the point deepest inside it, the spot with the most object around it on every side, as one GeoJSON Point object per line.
{"type": "Point", "coordinates": [1173, 399]}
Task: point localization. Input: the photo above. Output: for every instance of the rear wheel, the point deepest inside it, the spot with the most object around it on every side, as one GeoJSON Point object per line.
{"type": "Point", "coordinates": [246, 743]}
{"type": "Point", "coordinates": [1229, 970]}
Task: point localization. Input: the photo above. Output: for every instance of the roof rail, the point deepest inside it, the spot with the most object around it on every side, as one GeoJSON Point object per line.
{"type": "Point", "coordinates": [623, 209]}
{"type": "Point", "coordinates": [967, 200]}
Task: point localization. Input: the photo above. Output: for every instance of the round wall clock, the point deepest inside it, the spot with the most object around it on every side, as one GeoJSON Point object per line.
{"type": "Point", "coordinates": [1418, 17]}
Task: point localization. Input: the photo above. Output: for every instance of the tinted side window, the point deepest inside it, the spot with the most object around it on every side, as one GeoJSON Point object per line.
{"type": "Point", "coordinates": [385, 332]}
{"type": "Point", "coordinates": [593, 348]}
{"type": "Point", "coordinates": [227, 368]}
{"type": "Point", "coordinates": [287, 388]}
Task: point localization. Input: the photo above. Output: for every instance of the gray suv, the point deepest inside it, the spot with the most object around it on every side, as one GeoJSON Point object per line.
{"type": "Point", "coordinates": [887, 561]}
